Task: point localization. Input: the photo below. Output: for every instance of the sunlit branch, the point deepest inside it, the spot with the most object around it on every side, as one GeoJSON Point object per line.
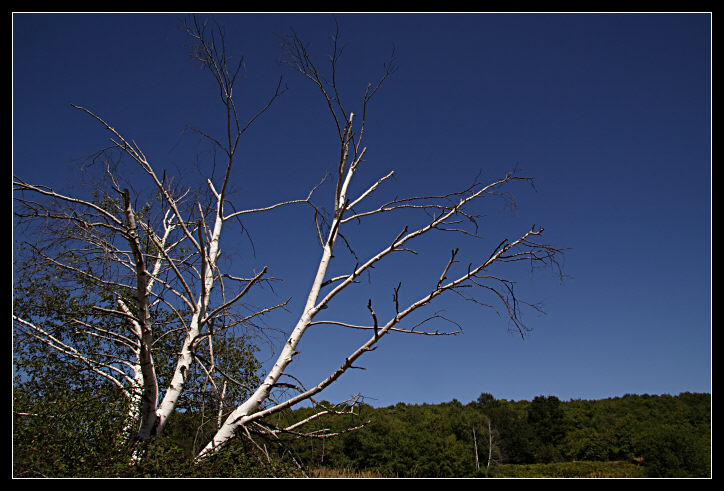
{"type": "Point", "coordinates": [62, 347]}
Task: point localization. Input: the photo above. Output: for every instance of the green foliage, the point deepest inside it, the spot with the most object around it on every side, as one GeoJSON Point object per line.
{"type": "Point", "coordinates": [632, 436]}
{"type": "Point", "coordinates": [165, 458]}
{"type": "Point", "coordinates": [65, 432]}
{"type": "Point", "coordinates": [75, 434]}
{"type": "Point", "coordinates": [69, 420]}
{"type": "Point", "coordinates": [586, 444]}
{"type": "Point", "coordinates": [546, 420]}
{"type": "Point", "coordinates": [675, 451]}
{"type": "Point", "coordinates": [571, 470]}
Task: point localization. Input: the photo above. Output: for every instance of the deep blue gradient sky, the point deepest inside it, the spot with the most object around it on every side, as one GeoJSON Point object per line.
{"type": "Point", "coordinates": [610, 113]}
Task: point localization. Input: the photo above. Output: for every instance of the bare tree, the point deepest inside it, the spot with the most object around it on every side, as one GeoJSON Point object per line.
{"type": "Point", "coordinates": [166, 256]}
{"type": "Point", "coordinates": [167, 259]}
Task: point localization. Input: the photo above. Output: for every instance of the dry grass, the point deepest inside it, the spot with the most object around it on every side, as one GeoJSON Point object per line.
{"type": "Point", "coordinates": [325, 473]}
{"type": "Point", "coordinates": [578, 469]}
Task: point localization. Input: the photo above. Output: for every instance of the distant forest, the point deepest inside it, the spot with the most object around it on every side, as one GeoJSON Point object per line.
{"type": "Point", "coordinates": [663, 436]}
{"type": "Point", "coordinates": [629, 436]}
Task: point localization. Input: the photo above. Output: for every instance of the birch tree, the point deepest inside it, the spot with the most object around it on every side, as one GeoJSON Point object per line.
{"type": "Point", "coordinates": [157, 261]}
{"type": "Point", "coordinates": [162, 259]}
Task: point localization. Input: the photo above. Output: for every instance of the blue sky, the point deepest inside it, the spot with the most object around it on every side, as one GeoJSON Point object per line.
{"type": "Point", "coordinates": [610, 113]}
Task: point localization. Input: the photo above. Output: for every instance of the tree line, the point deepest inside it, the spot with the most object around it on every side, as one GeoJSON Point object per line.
{"type": "Point", "coordinates": [666, 436]}
{"type": "Point", "coordinates": [657, 435]}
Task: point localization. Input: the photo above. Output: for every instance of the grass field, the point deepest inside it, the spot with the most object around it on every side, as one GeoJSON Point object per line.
{"type": "Point", "coordinates": [326, 472]}
{"type": "Point", "coordinates": [572, 470]}
{"type": "Point", "coordinates": [556, 470]}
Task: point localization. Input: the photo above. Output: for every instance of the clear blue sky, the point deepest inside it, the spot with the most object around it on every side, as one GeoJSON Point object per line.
{"type": "Point", "coordinates": [611, 114]}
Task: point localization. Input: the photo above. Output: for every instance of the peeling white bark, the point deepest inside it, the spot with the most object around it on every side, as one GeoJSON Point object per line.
{"type": "Point", "coordinates": [192, 286]}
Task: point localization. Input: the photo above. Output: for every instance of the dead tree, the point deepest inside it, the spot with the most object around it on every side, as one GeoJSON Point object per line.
{"type": "Point", "coordinates": [169, 256]}
{"type": "Point", "coordinates": [445, 213]}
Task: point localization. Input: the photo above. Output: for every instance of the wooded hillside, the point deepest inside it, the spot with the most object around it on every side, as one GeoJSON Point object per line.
{"type": "Point", "coordinates": [668, 436]}
{"type": "Point", "coordinates": [629, 436]}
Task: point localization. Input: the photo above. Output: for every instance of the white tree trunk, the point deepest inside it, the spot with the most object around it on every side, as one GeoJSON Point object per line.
{"type": "Point", "coordinates": [252, 405]}
{"type": "Point", "coordinates": [151, 416]}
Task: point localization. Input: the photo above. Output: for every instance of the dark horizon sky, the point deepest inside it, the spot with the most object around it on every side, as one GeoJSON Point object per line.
{"type": "Point", "coordinates": [609, 113]}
